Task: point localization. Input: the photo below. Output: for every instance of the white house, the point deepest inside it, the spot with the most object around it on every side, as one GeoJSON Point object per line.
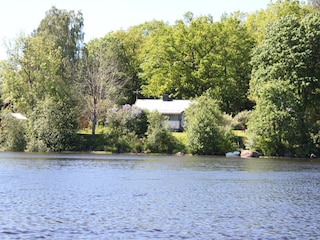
{"type": "Point", "coordinates": [174, 109]}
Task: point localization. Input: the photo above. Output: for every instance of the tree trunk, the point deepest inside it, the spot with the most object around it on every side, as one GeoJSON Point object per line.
{"type": "Point", "coordinates": [94, 119]}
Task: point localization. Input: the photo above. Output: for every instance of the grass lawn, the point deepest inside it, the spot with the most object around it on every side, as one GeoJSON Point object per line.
{"type": "Point", "coordinates": [99, 130]}
{"type": "Point", "coordinates": [240, 133]}
{"type": "Point", "coordinates": [180, 136]}
{"type": "Point", "coordinates": [87, 141]}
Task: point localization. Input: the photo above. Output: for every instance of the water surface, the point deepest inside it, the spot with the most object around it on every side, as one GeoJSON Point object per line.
{"type": "Point", "coordinates": [86, 196]}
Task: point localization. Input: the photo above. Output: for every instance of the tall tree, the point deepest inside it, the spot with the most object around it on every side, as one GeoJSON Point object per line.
{"type": "Point", "coordinates": [45, 62]}
{"type": "Point", "coordinates": [32, 71]}
{"type": "Point", "coordinates": [103, 77]}
{"type": "Point", "coordinates": [273, 125]}
{"type": "Point", "coordinates": [133, 42]}
{"type": "Point", "coordinates": [40, 70]}
{"type": "Point", "coordinates": [196, 54]}
{"type": "Point", "coordinates": [290, 53]}
{"type": "Point", "coordinates": [230, 86]}
{"type": "Point", "coordinates": [64, 29]}
{"type": "Point", "coordinates": [173, 55]}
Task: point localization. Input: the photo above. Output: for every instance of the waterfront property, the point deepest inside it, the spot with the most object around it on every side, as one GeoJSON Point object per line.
{"type": "Point", "coordinates": [174, 109]}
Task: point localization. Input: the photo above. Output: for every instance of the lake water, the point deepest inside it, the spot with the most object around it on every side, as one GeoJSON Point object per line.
{"type": "Point", "coordinates": [86, 196]}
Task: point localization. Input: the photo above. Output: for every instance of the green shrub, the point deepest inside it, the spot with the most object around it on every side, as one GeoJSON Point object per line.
{"type": "Point", "coordinates": [181, 141]}
{"type": "Point", "coordinates": [240, 120]}
{"type": "Point", "coordinates": [52, 126]}
{"type": "Point", "coordinates": [126, 127]}
{"type": "Point", "coordinates": [159, 136]}
{"type": "Point", "coordinates": [12, 134]}
{"type": "Point", "coordinates": [207, 129]}
{"type": "Point", "coordinates": [128, 119]}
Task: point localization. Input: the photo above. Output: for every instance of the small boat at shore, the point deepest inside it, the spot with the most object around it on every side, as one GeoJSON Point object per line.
{"type": "Point", "coordinates": [233, 154]}
{"type": "Point", "coordinates": [243, 154]}
{"type": "Point", "coordinates": [249, 154]}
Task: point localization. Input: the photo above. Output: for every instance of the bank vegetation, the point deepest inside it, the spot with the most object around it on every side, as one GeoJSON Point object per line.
{"type": "Point", "coordinates": [256, 73]}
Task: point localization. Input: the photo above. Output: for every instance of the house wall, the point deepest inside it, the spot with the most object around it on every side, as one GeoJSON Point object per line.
{"type": "Point", "coordinates": [176, 122]}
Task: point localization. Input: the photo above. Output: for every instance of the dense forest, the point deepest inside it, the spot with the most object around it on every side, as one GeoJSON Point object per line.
{"type": "Point", "coordinates": [258, 73]}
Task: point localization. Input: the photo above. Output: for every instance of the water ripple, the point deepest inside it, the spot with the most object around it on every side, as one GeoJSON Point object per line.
{"type": "Point", "coordinates": [123, 197]}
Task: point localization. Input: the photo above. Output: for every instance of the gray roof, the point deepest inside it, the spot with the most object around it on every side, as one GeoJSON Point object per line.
{"type": "Point", "coordinates": [163, 107]}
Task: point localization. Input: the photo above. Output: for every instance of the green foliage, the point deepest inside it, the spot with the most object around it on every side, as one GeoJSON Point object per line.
{"type": "Point", "coordinates": [159, 137]}
{"type": "Point", "coordinates": [197, 54]}
{"type": "Point", "coordinates": [285, 85]}
{"type": "Point", "coordinates": [133, 42]}
{"type": "Point", "coordinates": [12, 133]}
{"type": "Point", "coordinates": [44, 62]}
{"type": "Point", "coordinates": [273, 124]}
{"type": "Point", "coordinates": [88, 142]}
{"type": "Point", "coordinates": [206, 128]}
{"type": "Point", "coordinates": [52, 126]}
{"type": "Point", "coordinates": [126, 128]}
{"type": "Point", "coordinates": [239, 122]}
{"type": "Point", "coordinates": [128, 119]}
{"type": "Point", "coordinates": [50, 73]}
{"type": "Point", "coordinates": [31, 72]}
{"type": "Point", "coordinates": [118, 142]}
{"type": "Point", "coordinates": [64, 29]}
{"type": "Point", "coordinates": [182, 140]}
{"type": "Point", "coordinates": [260, 22]}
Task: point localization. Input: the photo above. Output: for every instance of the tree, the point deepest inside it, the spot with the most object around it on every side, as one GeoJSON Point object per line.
{"type": "Point", "coordinates": [197, 54]}
{"type": "Point", "coordinates": [103, 77]}
{"type": "Point", "coordinates": [290, 53]}
{"type": "Point", "coordinates": [232, 66]}
{"type": "Point", "coordinates": [31, 72]}
{"type": "Point", "coordinates": [64, 29]}
{"type": "Point", "coordinates": [260, 22]}
{"type": "Point", "coordinates": [206, 128]}
{"type": "Point", "coordinates": [273, 125]}
{"type": "Point", "coordinates": [133, 42]}
{"type": "Point", "coordinates": [38, 79]}
{"type": "Point", "coordinates": [44, 62]}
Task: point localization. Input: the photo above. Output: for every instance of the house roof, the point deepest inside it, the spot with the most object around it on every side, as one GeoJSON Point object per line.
{"type": "Point", "coordinates": [163, 107]}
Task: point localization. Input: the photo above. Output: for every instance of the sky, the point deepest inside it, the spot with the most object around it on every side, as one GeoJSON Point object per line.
{"type": "Point", "coordinates": [104, 16]}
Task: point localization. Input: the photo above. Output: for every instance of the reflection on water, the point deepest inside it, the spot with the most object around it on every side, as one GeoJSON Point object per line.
{"type": "Point", "coordinates": [86, 196]}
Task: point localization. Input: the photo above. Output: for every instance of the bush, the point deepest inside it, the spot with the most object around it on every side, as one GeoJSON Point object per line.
{"type": "Point", "coordinates": [240, 120]}
{"type": "Point", "coordinates": [159, 136]}
{"type": "Point", "coordinates": [181, 141]}
{"type": "Point", "coordinates": [206, 128]}
{"type": "Point", "coordinates": [12, 134]}
{"type": "Point", "coordinates": [128, 119]}
{"type": "Point", "coordinates": [126, 126]}
{"type": "Point", "coordinates": [52, 126]}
